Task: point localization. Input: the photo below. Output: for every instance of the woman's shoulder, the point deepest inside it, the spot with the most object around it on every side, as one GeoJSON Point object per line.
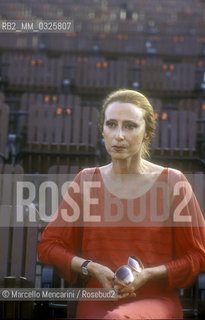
{"type": "Point", "coordinates": [87, 172]}
{"type": "Point", "coordinates": [152, 167]}
{"type": "Point", "coordinates": [155, 168]}
{"type": "Point", "coordinates": [105, 169]}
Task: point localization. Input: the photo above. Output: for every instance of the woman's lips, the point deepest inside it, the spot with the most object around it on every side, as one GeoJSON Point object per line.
{"type": "Point", "coordinates": [118, 148]}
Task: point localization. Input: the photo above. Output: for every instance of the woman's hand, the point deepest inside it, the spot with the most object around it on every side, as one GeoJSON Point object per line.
{"type": "Point", "coordinates": [105, 276]}
{"type": "Point", "coordinates": [140, 279]}
{"type": "Point", "coordinates": [102, 273]}
{"type": "Point", "coordinates": [124, 290]}
{"type": "Point", "coordinates": [128, 290]}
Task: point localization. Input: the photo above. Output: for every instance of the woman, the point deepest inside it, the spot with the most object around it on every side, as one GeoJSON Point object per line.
{"type": "Point", "coordinates": [172, 255]}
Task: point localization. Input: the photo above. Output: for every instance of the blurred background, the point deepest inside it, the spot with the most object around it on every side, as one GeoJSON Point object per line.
{"type": "Point", "coordinates": [52, 86]}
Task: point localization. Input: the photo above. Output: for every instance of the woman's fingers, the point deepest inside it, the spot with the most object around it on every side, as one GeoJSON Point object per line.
{"type": "Point", "coordinates": [122, 295]}
{"type": "Point", "coordinates": [119, 283]}
{"type": "Point", "coordinates": [126, 294]}
{"type": "Point", "coordinates": [128, 289]}
{"type": "Point", "coordinates": [104, 276]}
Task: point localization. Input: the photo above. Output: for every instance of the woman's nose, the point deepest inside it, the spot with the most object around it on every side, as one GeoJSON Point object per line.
{"type": "Point", "coordinates": [119, 134]}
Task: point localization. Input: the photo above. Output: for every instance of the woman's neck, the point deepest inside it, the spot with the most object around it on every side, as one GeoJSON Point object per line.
{"type": "Point", "coordinates": [127, 167]}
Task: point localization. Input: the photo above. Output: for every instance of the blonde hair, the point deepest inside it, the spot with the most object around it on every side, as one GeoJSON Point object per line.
{"type": "Point", "coordinates": [139, 100]}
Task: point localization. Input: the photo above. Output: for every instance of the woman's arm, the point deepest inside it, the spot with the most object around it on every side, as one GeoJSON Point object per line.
{"type": "Point", "coordinates": [188, 246]}
{"type": "Point", "coordinates": [188, 238]}
{"type": "Point", "coordinates": [102, 273]}
{"type": "Point", "coordinates": [60, 241]}
{"type": "Point", "coordinates": [60, 245]}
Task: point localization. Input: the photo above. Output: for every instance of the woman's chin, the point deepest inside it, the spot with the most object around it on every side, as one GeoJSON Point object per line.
{"type": "Point", "coordinates": [118, 156]}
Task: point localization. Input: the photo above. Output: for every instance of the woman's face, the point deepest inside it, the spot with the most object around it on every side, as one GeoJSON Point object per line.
{"type": "Point", "coordinates": [123, 130]}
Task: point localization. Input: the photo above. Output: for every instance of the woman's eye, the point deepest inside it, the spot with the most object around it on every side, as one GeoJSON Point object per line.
{"type": "Point", "coordinates": [130, 126]}
{"type": "Point", "coordinates": [110, 124]}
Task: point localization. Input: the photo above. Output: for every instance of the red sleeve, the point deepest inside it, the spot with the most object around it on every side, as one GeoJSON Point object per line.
{"type": "Point", "coordinates": [60, 242]}
{"type": "Point", "coordinates": [188, 242]}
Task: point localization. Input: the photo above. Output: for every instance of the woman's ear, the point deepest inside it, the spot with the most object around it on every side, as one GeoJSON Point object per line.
{"type": "Point", "coordinates": [146, 137]}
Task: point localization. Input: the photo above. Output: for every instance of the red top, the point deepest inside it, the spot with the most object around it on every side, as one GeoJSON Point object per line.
{"type": "Point", "coordinates": [180, 248]}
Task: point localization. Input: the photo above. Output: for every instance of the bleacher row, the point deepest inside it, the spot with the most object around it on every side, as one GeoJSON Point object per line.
{"type": "Point", "coordinates": [162, 27]}
{"type": "Point", "coordinates": [118, 15]}
{"type": "Point", "coordinates": [84, 73]}
{"type": "Point", "coordinates": [110, 43]}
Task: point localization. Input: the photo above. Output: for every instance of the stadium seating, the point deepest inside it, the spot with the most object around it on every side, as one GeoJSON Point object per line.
{"type": "Point", "coordinates": [26, 71]}
{"type": "Point", "coordinates": [52, 131]}
{"type": "Point", "coordinates": [18, 253]}
{"type": "Point", "coordinates": [175, 134]}
{"type": "Point", "coordinates": [4, 120]}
